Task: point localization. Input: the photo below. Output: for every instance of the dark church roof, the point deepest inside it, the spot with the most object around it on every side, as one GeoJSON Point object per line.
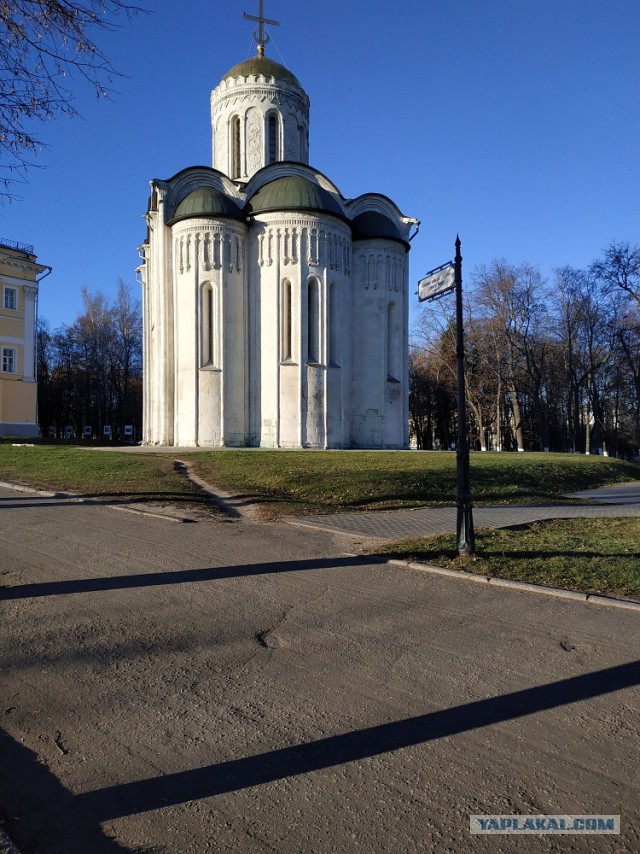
{"type": "Point", "coordinates": [266, 67]}
{"type": "Point", "coordinates": [206, 201]}
{"type": "Point", "coordinates": [293, 193]}
{"type": "Point", "coordinates": [371, 224]}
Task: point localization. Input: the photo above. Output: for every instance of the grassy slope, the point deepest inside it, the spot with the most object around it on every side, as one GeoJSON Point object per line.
{"type": "Point", "coordinates": [330, 481]}
{"type": "Point", "coordinates": [323, 481]}
{"type": "Point", "coordinates": [91, 472]}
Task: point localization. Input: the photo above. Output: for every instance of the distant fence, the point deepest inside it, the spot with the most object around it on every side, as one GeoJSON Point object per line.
{"type": "Point", "coordinates": [13, 244]}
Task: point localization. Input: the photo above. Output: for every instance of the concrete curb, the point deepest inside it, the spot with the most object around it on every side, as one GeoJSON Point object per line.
{"type": "Point", "coordinates": [558, 592]}
{"type": "Point", "coordinates": [31, 491]}
{"type": "Point", "coordinates": [76, 498]}
{"type": "Point", "coordinates": [232, 505]}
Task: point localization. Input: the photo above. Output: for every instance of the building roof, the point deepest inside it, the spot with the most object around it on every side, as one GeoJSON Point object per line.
{"type": "Point", "coordinates": [370, 225]}
{"type": "Point", "coordinates": [206, 201]}
{"type": "Point", "coordinates": [266, 67]}
{"type": "Point", "coordinates": [293, 193]}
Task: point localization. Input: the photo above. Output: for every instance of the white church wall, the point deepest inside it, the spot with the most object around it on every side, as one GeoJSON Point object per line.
{"type": "Point", "coordinates": [263, 307]}
{"type": "Point", "coordinates": [338, 333]}
{"type": "Point", "coordinates": [233, 336]}
{"type": "Point", "coordinates": [209, 296]}
{"type": "Point", "coordinates": [379, 308]}
{"type": "Point", "coordinates": [158, 343]}
{"type": "Point", "coordinates": [185, 331]}
{"type": "Point", "coordinates": [289, 356]}
{"type": "Point", "coordinates": [291, 391]}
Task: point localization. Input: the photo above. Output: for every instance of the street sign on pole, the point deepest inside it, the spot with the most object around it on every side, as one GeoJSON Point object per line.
{"type": "Point", "coordinates": [446, 278]}
{"type": "Point", "coordinates": [437, 281]}
{"type": "Point", "coordinates": [465, 534]}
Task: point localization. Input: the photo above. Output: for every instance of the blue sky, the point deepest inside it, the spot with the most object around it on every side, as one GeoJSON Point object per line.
{"type": "Point", "coordinates": [513, 122]}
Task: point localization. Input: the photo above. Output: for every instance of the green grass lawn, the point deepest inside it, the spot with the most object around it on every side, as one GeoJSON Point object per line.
{"type": "Point", "coordinates": [316, 481]}
{"type": "Point", "coordinates": [74, 469]}
{"type": "Point", "coordinates": [587, 555]}
{"type": "Point", "coordinates": [338, 481]}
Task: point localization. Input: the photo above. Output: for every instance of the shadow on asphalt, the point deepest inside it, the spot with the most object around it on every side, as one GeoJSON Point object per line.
{"type": "Point", "coordinates": [143, 795]}
{"type": "Point", "coordinates": [60, 500]}
{"type": "Point", "coordinates": [42, 815]}
{"type": "Point", "coordinates": [71, 823]}
{"type": "Point", "coordinates": [182, 576]}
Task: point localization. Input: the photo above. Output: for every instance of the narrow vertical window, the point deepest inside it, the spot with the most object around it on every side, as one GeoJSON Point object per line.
{"type": "Point", "coordinates": [8, 360]}
{"type": "Point", "coordinates": [11, 298]}
{"type": "Point", "coordinates": [272, 138]}
{"type": "Point", "coordinates": [235, 147]}
{"type": "Point", "coordinates": [392, 343]}
{"type": "Point", "coordinates": [286, 321]}
{"type": "Point", "coordinates": [313, 321]}
{"type": "Point", "coordinates": [210, 325]}
{"type": "Point", "coordinates": [303, 144]}
{"type": "Point", "coordinates": [333, 324]}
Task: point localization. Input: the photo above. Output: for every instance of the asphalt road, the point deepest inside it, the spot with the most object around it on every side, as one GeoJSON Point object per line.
{"type": "Point", "coordinates": [243, 687]}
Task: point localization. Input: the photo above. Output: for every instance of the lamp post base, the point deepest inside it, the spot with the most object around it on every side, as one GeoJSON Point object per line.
{"type": "Point", "coordinates": [464, 530]}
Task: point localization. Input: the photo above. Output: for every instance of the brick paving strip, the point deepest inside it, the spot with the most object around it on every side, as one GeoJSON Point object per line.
{"type": "Point", "coordinates": [622, 500]}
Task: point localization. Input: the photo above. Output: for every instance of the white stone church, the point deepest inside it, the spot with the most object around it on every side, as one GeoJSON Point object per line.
{"type": "Point", "coordinates": [275, 310]}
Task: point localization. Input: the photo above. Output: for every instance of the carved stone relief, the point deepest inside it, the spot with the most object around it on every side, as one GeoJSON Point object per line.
{"type": "Point", "coordinates": [291, 240]}
{"type": "Point", "coordinates": [254, 140]}
{"type": "Point", "coordinates": [209, 249]}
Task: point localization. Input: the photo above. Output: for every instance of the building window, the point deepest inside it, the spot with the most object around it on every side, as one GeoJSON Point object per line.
{"type": "Point", "coordinates": [286, 321]}
{"type": "Point", "coordinates": [8, 360]}
{"type": "Point", "coordinates": [10, 298]}
{"type": "Point", "coordinates": [235, 147]}
{"type": "Point", "coordinates": [303, 143]}
{"type": "Point", "coordinates": [393, 371]}
{"type": "Point", "coordinates": [272, 137]}
{"type": "Point", "coordinates": [210, 356]}
{"type": "Point", "coordinates": [333, 324]}
{"type": "Point", "coordinates": [313, 321]}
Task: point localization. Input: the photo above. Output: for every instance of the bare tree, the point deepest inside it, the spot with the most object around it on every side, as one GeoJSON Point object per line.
{"type": "Point", "coordinates": [90, 372]}
{"type": "Point", "coordinates": [126, 368]}
{"type": "Point", "coordinates": [550, 370]}
{"type": "Point", "coordinates": [620, 268]}
{"type": "Point", "coordinates": [619, 271]}
{"type": "Point", "coordinates": [512, 298]}
{"type": "Point", "coordinates": [44, 45]}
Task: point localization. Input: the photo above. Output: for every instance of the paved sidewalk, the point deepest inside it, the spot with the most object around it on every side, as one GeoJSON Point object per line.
{"type": "Point", "coordinates": [622, 500]}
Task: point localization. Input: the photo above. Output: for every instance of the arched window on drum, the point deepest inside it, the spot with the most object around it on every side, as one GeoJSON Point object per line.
{"type": "Point", "coordinates": [210, 326]}
{"type": "Point", "coordinates": [286, 348]}
{"type": "Point", "coordinates": [313, 321]}
{"type": "Point", "coordinates": [333, 330]}
{"type": "Point", "coordinates": [393, 344]}
{"type": "Point", "coordinates": [236, 160]}
{"type": "Point", "coordinates": [273, 139]}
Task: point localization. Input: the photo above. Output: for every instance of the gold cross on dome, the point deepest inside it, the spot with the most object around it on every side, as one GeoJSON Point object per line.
{"type": "Point", "coordinates": [261, 38]}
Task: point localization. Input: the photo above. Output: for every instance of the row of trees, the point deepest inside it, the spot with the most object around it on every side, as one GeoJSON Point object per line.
{"type": "Point", "coordinates": [552, 367]}
{"type": "Point", "coordinates": [90, 373]}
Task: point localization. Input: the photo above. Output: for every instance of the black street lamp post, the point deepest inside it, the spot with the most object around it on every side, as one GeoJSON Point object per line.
{"type": "Point", "coordinates": [464, 522]}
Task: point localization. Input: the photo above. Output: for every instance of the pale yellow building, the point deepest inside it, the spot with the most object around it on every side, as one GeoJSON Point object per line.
{"type": "Point", "coordinates": [20, 275]}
